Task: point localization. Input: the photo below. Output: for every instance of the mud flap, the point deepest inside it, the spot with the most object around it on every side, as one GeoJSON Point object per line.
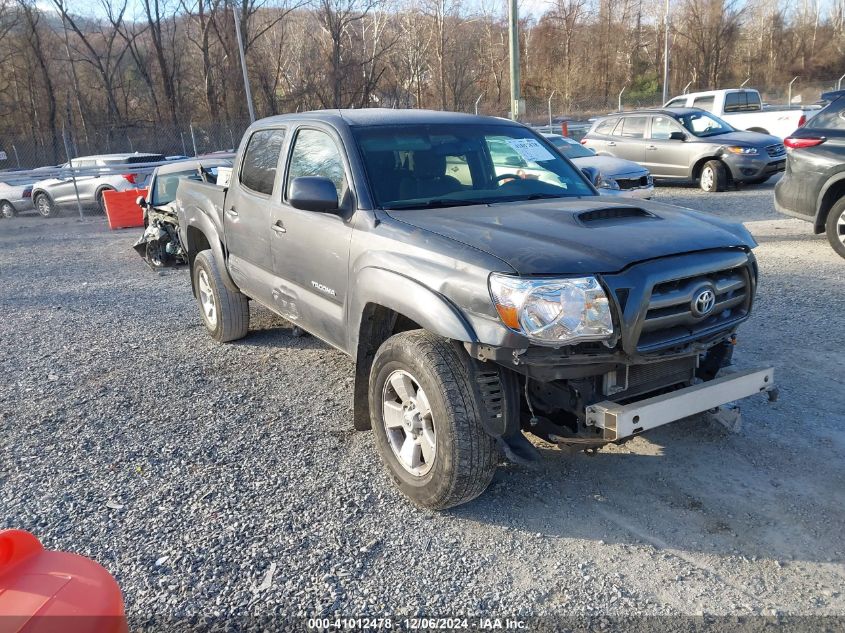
{"type": "Point", "coordinates": [497, 391]}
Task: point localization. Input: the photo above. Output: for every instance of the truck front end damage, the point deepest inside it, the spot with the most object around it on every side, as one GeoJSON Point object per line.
{"type": "Point", "coordinates": [674, 323]}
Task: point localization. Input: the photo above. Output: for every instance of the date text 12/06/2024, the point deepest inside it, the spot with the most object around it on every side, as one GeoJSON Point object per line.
{"type": "Point", "coordinates": [417, 624]}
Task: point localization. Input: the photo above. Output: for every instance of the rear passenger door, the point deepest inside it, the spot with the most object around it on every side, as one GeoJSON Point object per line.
{"type": "Point", "coordinates": [629, 138]}
{"type": "Point", "coordinates": [310, 249]}
{"type": "Point", "coordinates": [246, 213]}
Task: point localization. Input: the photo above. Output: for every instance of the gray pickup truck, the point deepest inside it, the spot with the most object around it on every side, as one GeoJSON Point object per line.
{"type": "Point", "coordinates": [478, 304]}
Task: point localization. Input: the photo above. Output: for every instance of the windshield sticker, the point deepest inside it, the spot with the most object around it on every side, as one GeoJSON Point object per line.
{"type": "Point", "coordinates": [530, 149]}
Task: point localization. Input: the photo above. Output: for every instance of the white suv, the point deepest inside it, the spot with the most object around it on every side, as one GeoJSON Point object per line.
{"type": "Point", "coordinates": [97, 174]}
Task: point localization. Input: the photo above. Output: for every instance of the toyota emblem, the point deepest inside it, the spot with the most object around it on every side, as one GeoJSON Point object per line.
{"type": "Point", "coordinates": [704, 302]}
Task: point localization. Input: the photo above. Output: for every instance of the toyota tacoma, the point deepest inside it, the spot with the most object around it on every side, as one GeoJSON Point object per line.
{"type": "Point", "coordinates": [478, 302]}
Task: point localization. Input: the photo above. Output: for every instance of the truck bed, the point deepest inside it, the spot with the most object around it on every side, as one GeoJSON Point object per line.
{"type": "Point", "coordinates": [206, 197]}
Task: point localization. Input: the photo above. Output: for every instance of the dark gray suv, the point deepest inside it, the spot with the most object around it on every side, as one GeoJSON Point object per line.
{"type": "Point", "coordinates": [688, 144]}
{"type": "Point", "coordinates": [813, 187]}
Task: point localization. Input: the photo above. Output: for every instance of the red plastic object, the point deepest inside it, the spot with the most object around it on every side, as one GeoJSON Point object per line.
{"type": "Point", "coordinates": [43, 591]}
{"type": "Point", "coordinates": [122, 208]}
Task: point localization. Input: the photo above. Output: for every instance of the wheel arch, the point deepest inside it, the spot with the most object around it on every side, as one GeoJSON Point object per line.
{"type": "Point", "coordinates": [388, 304]}
{"type": "Point", "coordinates": [200, 235]}
{"type": "Point", "coordinates": [698, 165]}
{"type": "Point", "coordinates": [830, 193]}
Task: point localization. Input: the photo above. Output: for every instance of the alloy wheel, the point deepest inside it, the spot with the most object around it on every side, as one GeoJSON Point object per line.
{"type": "Point", "coordinates": [408, 423]}
{"type": "Point", "coordinates": [207, 303]}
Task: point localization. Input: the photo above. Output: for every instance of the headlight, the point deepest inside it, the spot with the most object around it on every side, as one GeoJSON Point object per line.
{"type": "Point", "coordinates": [745, 151]}
{"type": "Point", "coordinates": [605, 182]}
{"type": "Point", "coordinates": [553, 311]}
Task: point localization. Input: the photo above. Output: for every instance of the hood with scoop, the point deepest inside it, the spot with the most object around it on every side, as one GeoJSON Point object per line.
{"type": "Point", "coordinates": [578, 235]}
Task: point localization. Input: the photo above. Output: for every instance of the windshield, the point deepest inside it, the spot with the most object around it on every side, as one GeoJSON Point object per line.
{"type": "Point", "coordinates": [704, 124]}
{"type": "Point", "coordinates": [446, 165]}
{"type": "Point", "coordinates": [570, 148]}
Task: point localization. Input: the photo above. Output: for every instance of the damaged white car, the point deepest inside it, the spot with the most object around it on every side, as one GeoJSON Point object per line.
{"type": "Point", "coordinates": [160, 245]}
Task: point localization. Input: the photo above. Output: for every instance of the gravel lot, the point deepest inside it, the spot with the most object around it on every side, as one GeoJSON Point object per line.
{"type": "Point", "coordinates": [227, 480]}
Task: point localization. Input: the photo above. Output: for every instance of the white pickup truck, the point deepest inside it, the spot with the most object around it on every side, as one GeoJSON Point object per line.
{"type": "Point", "coordinates": [744, 110]}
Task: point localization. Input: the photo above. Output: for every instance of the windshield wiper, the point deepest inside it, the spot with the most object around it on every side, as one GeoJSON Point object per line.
{"type": "Point", "coordinates": [436, 203]}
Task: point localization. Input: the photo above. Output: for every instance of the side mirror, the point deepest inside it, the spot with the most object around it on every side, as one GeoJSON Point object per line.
{"type": "Point", "coordinates": [141, 201]}
{"type": "Point", "coordinates": [592, 174]}
{"type": "Point", "coordinates": [313, 193]}
{"type": "Point", "coordinates": [513, 161]}
{"type": "Point", "coordinates": [677, 136]}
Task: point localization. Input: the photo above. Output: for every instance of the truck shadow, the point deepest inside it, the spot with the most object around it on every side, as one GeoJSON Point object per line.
{"type": "Point", "coordinates": [707, 492]}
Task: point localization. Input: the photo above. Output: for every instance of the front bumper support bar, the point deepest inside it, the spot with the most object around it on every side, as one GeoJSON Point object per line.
{"type": "Point", "coordinates": [619, 421]}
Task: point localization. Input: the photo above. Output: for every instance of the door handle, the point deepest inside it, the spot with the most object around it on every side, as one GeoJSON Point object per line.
{"type": "Point", "coordinates": [611, 144]}
{"type": "Point", "coordinates": [651, 147]}
{"type": "Point", "coordinates": [278, 227]}
{"type": "Point", "coordinates": [231, 212]}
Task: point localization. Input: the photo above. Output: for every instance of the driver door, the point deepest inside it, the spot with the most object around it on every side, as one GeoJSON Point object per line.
{"type": "Point", "coordinates": [311, 249]}
{"type": "Point", "coordinates": [666, 157]}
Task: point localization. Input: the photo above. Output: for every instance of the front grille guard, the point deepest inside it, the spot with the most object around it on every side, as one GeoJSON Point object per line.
{"type": "Point", "coordinates": [631, 292]}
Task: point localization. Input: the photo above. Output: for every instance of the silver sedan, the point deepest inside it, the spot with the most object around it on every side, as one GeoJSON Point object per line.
{"type": "Point", "coordinates": [616, 176]}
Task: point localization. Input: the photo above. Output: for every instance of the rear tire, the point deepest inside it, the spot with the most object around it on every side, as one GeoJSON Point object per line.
{"type": "Point", "coordinates": [224, 313]}
{"type": "Point", "coordinates": [835, 227]}
{"type": "Point", "coordinates": [449, 458]}
{"type": "Point", "coordinates": [101, 204]}
{"type": "Point", "coordinates": [7, 210]}
{"type": "Point", "coordinates": [45, 206]}
{"type": "Point", "coordinates": [714, 176]}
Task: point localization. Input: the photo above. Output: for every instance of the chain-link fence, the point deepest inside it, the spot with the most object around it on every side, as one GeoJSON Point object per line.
{"type": "Point", "coordinates": [44, 147]}
{"type": "Point", "coordinates": [40, 147]}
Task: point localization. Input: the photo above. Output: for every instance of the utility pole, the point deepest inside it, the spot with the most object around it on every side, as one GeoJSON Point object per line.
{"type": "Point", "coordinates": [666, 54]}
{"type": "Point", "coordinates": [243, 64]}
{"type": "Point", "coordinates": [513, 39]}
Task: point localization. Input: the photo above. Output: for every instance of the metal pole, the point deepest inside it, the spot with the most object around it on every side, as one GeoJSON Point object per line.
{"type": "Point", "coordinates": [550, 107]}
{"type": "Point", "coordinates": [193, 139]}
{"type": "Point", "coordinates": [666, 56]}
{"type": "Point", "coordinates": [72, 173]}
{"type": "Point", "coordinates": [742, 85]}
{"type": "Point", "coordinates": [17, 158]}
{"type": "Point", "coordinates": [839, 83]}
{"type": "Point", "coordinates": [789, 98]}
{"type": "Point", "coordinates": [477, 101]}
{"type": "Point", "coordinates": [620, 98]}
{"type": "Point", "coordinates": [513, 40]}
{"type": "Point", "coordinates": [684, 91]}
{"type": "Point", "coordinates": [243, 66]}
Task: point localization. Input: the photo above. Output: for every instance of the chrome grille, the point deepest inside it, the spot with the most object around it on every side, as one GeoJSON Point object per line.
{"type": "Point", "coordinates": [776, 150]}
{"type": "Point", "coordinates": [670, 315]}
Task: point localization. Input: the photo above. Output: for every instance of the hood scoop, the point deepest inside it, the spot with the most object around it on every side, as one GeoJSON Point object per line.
{"type": "Point", "coordinates": [613, 213]}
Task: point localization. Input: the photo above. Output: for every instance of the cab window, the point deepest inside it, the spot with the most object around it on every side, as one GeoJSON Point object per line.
{"type": "Point", "coordinates": [680, 102]}
{"type": "Point", "coordinates": [261, 158]}
{"type": "Point", "coordinates": [705, 103]}
{"type": "Point", "coordinates": [316, 154]}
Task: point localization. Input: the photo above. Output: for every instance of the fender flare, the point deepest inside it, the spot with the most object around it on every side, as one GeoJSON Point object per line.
{"type": "Point", "coordinates": [819, 221]}
{"type": "Point", "coordinates": [430, 309]}
{"type": "Point", "coordinates": [195, 218]}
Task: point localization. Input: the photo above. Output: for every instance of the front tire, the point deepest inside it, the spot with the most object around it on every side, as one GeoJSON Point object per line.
{"type": "Point", "coordinates": [7, 210]}
{"type": "Point", "coordinates": [714, 176]}
{"type": "Point", "coordinates": [45, 206]}
{"type": "Point", "coordinates": [427, 421]}
{"type": "Point", "coordinates": [224, 313]}
{"type": "Point", "coordinates": [835, 227]}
